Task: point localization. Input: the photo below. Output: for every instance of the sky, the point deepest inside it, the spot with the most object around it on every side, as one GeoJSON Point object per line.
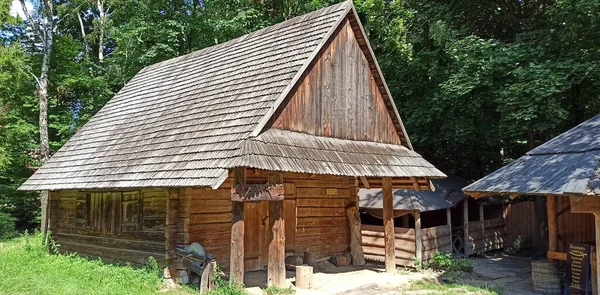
{"type": "Point", "coordinates": [17, 10]}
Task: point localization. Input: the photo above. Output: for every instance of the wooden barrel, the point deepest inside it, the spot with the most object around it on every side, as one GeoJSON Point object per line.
{"type": "Point", "coordinates": [545, 277]}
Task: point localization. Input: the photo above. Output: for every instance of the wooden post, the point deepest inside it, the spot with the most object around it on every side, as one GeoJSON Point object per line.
{"type": "Point", "coordinates": [449, 220]}
{"type": "Point", "coordinates": [304, 276]}
{"type": "Point", "coordinates": [418, 238]}
{"type": "Point", "coordinates": [207, 280]}
{"type": "Point", "coordinates": [466, 243]}
{"type": "Point", "coordinates": [482, 225]}
{"type": "Point", "coordinates": [597, 266]}
{"type": "Point", "coordinates": [236, 258]}
{"type": "Point", "coordinates": [356, 250]}
{"type": "Point", "coordinates": [276, 264]}
{"type": "Point", "coordinates": [552, 224]}
{"type": "Point", "coordinates": [388, 225]}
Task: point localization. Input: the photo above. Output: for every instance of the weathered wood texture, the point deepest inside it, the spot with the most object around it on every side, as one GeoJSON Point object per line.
{"type": "Point", "coordinates": [433, 239]}
{"type": "Point", "coordinates": [388, 225]}
{"type": "Point", "coordinates": [552, 223]}
{"type": "Point", "coordinates": [276, 260]}
{"type": "Point", "coordinates": [339, 97]}
{"type": "Point", "coordinates": [118, 227]}
{"type": "Point", "coordinates": [352, 211]}
{"type": "Point", "coordinates": [493, 236]}
{"type": "Point", "coordinates": [572, 227]}
{"type": "Point", "coordinates": [314, 209]}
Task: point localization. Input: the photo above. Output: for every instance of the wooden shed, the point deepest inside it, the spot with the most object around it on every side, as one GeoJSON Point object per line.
{"type": "Point", "coordinates": [564, 170]}
{"type": "Point", "coordinates": [432, 221]}
{"type": "Point", "coordinates": [254, 148]}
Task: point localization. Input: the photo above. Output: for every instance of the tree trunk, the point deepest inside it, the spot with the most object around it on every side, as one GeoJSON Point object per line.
{"type": "Point", "coordinates": [102, 19]}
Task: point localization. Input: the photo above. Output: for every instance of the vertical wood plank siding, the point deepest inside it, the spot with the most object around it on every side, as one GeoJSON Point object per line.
{"type": "Point", "coordinates": [572, 227]}
{"type": "Point", "coordinates": [339, 97]}
{"type": "Point", "coordinates": [127, 246]}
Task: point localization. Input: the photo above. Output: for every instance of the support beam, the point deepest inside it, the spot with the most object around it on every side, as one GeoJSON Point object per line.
{"type": "Point", "coordinates": [352, 211]}
{"type": "Point", "coordinates": [276, 260]}
{"type": "Point", "coordinates": [365, 182]}
{"type": "Point", "coordinates": [236, 258]}
{"type": "Point", "coordinates": [449, 220]}
{"type": "Point", "coordinates": [276, 264]}
{"type": "Point", "coordinates": [415, 183]}
{"type": "Point", "coordinates": [482, 222]}
{"type": "Point", "coordinates": [552, 223]}
{"type": "Point", "coordinates": [418, 238]}
{"type": "Point", "coordinates": [466, 243]}
{"type": "Point", "coordinates": [597, 266]}
{"type": "Point", "coordinates": [388, 225]}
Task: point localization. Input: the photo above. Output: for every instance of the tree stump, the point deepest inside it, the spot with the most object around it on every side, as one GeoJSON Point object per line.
{"type": "Point", "coordinates": [304, 277]}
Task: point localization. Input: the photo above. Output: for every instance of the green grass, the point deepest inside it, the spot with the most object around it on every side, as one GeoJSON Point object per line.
{"type": "Point", "coordinates": [272, 290]}
{"type": "Point", "coordinates": [28, 268]}
{"type": "Point", "coordinates": [449, 289]}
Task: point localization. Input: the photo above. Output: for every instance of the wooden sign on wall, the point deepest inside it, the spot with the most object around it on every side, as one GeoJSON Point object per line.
{"type": "Point", "coordinates": [578, 268]}
{"type": "Point", "coordinates": [257, 192]}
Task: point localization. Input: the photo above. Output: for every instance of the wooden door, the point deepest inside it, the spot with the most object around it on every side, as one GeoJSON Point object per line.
{"type": "Point", "coordinates": [256, 221]}
{"type": "Point", "coordinates": [102, 213]}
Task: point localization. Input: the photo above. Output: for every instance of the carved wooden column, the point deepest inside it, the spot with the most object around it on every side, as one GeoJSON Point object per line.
{"type": "Point", "coordinates": [388, 225]}
{"type": "Point", "coordinates": [276, 260]}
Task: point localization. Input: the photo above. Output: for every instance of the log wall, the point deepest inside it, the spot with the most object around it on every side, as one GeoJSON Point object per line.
{"type": "Point", "coordinates": [314, 209]}
{"type": "Point", "coordinates": [116, 237]}
{"type": "Point", "coordinates": [434, 239]}
{"type": "Point", "coordinates": [493, 237]}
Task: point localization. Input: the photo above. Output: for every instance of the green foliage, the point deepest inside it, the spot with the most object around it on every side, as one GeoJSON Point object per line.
{"type": "Point", "coordinates": [272, 290]}
{"type": "Point", "coordinates": [447, 262]}
{"type": "Point", "coordinates": [7, 226]}
{"type": "Point", "coordinates": [225, 287]}
{"type": "Point", "coordinates": [453, 288]}
{"type": "Point", "coordinates": [28, 267]}
{"type": "Point", "coordinates": [521, 246]}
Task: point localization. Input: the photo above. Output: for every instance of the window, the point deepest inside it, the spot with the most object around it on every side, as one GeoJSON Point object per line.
{"type": "Point", "coordinates": [111, 213]}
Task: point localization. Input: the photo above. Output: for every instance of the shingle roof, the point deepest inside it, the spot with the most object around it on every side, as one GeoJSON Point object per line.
{"type": "Point", "coordinates": [567, 164]}
{"type": "Point", "coordinates": [184, 121]}
{"type": "Point", "coordinates": [284, 150]}
{"type": "Point", "coordinates": [447, 192]}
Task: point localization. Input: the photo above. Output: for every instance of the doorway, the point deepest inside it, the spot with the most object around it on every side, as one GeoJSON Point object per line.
{"type": "Point", "coordinates": [256, 225]}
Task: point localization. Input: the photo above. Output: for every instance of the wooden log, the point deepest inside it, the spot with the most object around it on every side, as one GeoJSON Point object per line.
{"type": "Point", "coordinates": [236, 260]}
{"type": "Point", "coordinates": [466, 228]}
{"type": "Point", "coordinates": [418, 237]}
{"type": "Point", "coordinates": [207, 280]}
{"type": "Point", "coordinates": [481, 220]}
{"type": "Point", "coordinates": [355, 234]}
{"type": "Point", "coordinates": [309, 258]}
{"type": "Point", "coordinates": [597, 263]}
{"type": "Point", "coordinates": [552, 223]}
{"type": "Point", "coordinates": [276, 260]}
{"type": "Point", "coordinates": [388, 224]}
{"type": "Point", "coordinates": [449, 220]}
{"type": "Point", "coordinates": [304, 277]}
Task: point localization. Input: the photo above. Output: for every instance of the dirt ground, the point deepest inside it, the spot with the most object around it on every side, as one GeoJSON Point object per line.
{"type": "Point", "coordinates": [511, 275]}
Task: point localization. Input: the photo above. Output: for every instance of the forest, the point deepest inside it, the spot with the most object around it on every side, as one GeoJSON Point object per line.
{"type": "Point", "coordinates": [477, 82]}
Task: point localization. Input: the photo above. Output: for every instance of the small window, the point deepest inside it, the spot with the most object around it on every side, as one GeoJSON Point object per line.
{"type": "Point", "coordinates": [82, 211]}
{"type": "Point", "coordinates": [112, 213]}
{"type": "Point", "coordinates": [131, 212]}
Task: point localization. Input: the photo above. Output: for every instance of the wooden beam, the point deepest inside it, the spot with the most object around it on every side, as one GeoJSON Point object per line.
{"type": "Point", "coordinates": [449, 220]}
{"type": "Point", "coordinates": [466, 227]}
{"type": "Point", "coordinates": [557, 255]}
{"type": "Point", "coordinates": [416, 185]}
{"type": "Point", "coordinates": [552, 223]}
{"type": "Point", "coordinates": [597, 266]}
{"type": "Point", "coordinates": [276, 260]}
{"type": "Point", "coordinates": [365, 182]}
{"type": "Point", "coordinates": [481, 221]}
{"type": "Point", "coordinates": [388, 224]}
{"type": "Point", "coordinates": [236, 258]}
{"type": "Point", "coordinates": [418, 238]}
{"type": "Point", "coordinates": [276, 264]}
{"type": "Point", "coordinates": [584, 204]}
{"type": "Point", "coordinates": [257, 192]}
{"type": "Point", "coordinates": [352, 211]}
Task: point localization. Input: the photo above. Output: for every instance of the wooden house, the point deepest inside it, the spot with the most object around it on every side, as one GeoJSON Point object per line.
{"type": "Point", "coordinates": [430, 221]}
{"type": "Point", "coordinates": [254, 148]}
{"type": "Point", "coordinates": [564, 170]}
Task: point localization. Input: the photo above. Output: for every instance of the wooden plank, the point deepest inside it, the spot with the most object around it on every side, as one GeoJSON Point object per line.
{"type": "Point", "coordinates": [276, 262]}
{"type": "Point", "coordinates": [289, 214]}
{"type": "Point", "coordinates": [584, 204]}
{"type": "Point", "coordinates": [466, 227]}
{"type": "Point", "coordinates": [557, 255]}
{"type": "Point", "coordinates": [418, 238]}
{"type": "Point", "coordinates": [552, 224]}
{"type": "Point", "coordinates": [355, 235]}
{"type": "Point", "coordinates": [316, 231]}
{"type": "Point", "coordinates": [321, 221]}
{"type": "Point", "coordinates": [329, 203]}
{"type": "Point", "coordinates": [321, 212]}
{"type": "Point", "coordinates": [236, 259]}
{"type": "Point", "coordinates": [388, 224]}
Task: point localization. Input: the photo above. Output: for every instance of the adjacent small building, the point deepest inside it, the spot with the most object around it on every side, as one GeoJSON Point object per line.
{"type": "Point", "coordinates": [255, 148]}
{"type": "Point", "coordinates": [566, 171]}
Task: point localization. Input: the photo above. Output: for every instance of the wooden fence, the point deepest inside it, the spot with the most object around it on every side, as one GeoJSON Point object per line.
{"type": "Point", "coordinates": [433, 239]}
